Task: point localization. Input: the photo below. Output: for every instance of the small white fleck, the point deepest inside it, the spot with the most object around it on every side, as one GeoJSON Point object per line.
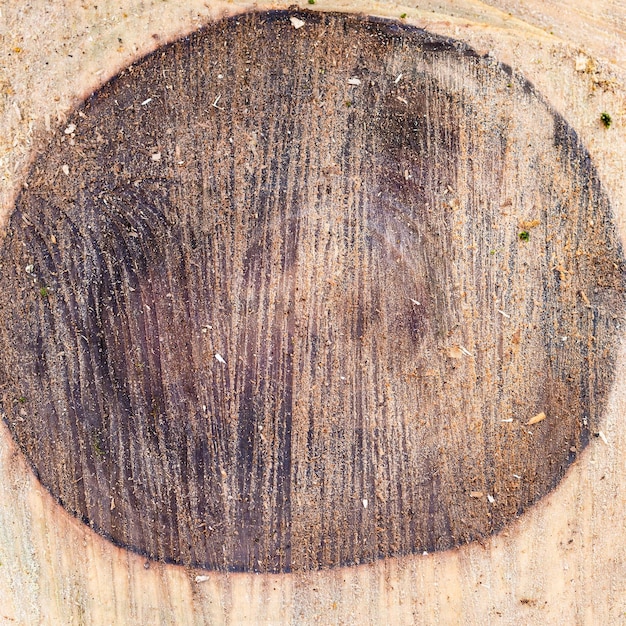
{"type": "Point", "coordinates": [156, 156]}
{"type": "Point", "coordinates": [70, 129]}
{"type": "Point", "coordinates": [354, 81]}
{"type": "Point", "coordinates": [220, 76]}
{"type": "Point", "coordinates": [365, 503]}
{"type": "Point", "coordinates": [398, 78]}
{"type": "Point", "coordinates": [148, 101]}
{"type": "Point", "coordinates": [425, 553]}
{"type": "Point", "coordinates": [202, 579]}
{"type": "Point", "coordinates": [603, 437]}
{"type": "Point", "coordinates": [503, 313]}
{"type": "Point", "coordinates": [564, 339]}
{"type": "Point", "coordinates": [491, 499]}
{"type": "Point", "coordinates": [296, 23]}
{"type": "Point", "coordinates": [581, 63]}
{"type": "Point", "coordinates": [516, 476]}
{"type": "Point", "coordinates": [30, 269]}
{"type": "Point", "coordinates": [214, 105]}
{"type": "Point", "coordinates": [508, 421]}
{"type": "Point", "coordinates": [403, 100]}
{"type": "Point", "coordinates": [66, 169]}
{"type": "Point", "coordinates": [465, 351]}
{"type": "Point", "coordinates": [220, 358]}
{"type": "Point", "coordinates": [415, 302]}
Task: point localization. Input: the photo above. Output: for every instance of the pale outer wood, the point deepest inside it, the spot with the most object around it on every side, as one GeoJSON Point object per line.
{"type": "Point", "coordinates": [564, 562]}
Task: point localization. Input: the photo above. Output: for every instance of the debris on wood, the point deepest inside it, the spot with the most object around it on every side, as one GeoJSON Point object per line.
{"type": "Point", "coordinates": [220, 358]}
{"type": "Point", "coordinates": [491, 499]}
{"type": "Point", "coordinates": [504, 314]}
{"type": "Point", "coordinates": [581, 63]}
{"type": "Point", "coordinates": [365, 502]}
{"type": "Point", "coordinates": [398, 78]}
{"type": "Point", "coordinates": [465, 351]}
{"type": "Point", "coordinates": [156, 156]}
{"type": "Point", "coordinates": [415, 302]}
{"type": "Point", "coordinates": [296, 23]}
{"type": "Point", "coordinates": [508, 421]}
{"type": "Point", "coordinates": [603, 437]}
{"type": "Point", "coordinates": [585, 299]}
{"type": "Point", "coordinates": [536, 419]}
{"type": "Point", "coordinates": [66, 169]}
{"type": "Point", "coordinates": [528, 224]}
{"type": "Point", "coordinates": [454, 352]}
{"type": "Point", "coordinates": [606, 119]}
{"type": "Point", "coordinates": [476, 494]}
{"type": "Point", "coordinates": [202, 579]}
{"type": "Point", "coordinates": [70, 129]}
{"type": "Point", "coordinates": [354, 81]}
{"type": "Point", "coordinates": [147, 101]}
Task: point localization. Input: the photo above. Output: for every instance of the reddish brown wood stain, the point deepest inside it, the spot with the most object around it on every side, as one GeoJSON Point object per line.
{"type": "Point", "coordinates": [260, 316]}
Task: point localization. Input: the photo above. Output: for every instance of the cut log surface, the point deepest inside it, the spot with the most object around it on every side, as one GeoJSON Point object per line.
{"type": "Point", "coordinates": [270, 298]}
{"type": "Point", "coordinates": [306, 290]}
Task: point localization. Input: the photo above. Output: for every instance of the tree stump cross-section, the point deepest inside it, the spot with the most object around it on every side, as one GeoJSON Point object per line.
{"type": "Point", "coordinates": [303, 290]}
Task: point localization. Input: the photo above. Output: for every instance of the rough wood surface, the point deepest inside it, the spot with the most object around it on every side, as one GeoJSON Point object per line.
{"type": "Point", "coordinates": [559, 559]}
{"type": "Point", "coordinates": [274, 301]}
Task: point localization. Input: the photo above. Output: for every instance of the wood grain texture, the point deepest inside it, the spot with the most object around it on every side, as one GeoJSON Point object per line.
{"type": "Point", "coordinates": [277, 301]}
{"type": "Point", "coordinates": [562, 561]}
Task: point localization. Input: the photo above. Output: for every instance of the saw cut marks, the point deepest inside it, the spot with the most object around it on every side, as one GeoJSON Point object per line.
{"type": "Point", "coordinates": [304, 290]}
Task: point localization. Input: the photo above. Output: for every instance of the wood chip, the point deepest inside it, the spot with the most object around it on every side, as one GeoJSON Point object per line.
{"type": "Point", "coordinates": [454, 352]}
{"type": "Point", "coordinates": [583, 295]}
{"type": "Point", "coordinates": [354, 81]}
{"type": "Point", "coordinates": [536, 419]}
{"type": "Point", "coordinates": [528, 224]}
{"type": "Point", "coordinates": [70, 129]}
{"type": "Point", "coordinates": [491, 499]}
{"type": "Point", "coordinates": [581, 63]}
{"type": "Point", "coordinates": [220, 358]}
{"type": "Point", "coordinates": [296, 23]}
{"type": "Point", "coordinates": [476, 494]}
{"type": "Point", "coordinates": [66, 169]}
{"type": "Point", "coordinates": [603, 437]}
{"type": "Point", "coordinates": [202, 579]}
